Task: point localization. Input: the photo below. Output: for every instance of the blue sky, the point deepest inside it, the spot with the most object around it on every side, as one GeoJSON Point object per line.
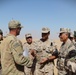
{"type": "Point", "coordinates": [35, 14]}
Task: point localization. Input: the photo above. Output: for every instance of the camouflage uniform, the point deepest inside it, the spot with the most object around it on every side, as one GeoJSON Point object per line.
{"type": "Point", "coordinates": [26, 46]}
{"type": "Point", "coordinates": [74, 43]}
{"type": "Point", "coordinates": [45, 50]}
{"type": "Point", "coordinates": [12, 59]}
{"type": "Point", "coordinates": [63, 52]}
{"type": "Point", "coordinates": [75, 38]}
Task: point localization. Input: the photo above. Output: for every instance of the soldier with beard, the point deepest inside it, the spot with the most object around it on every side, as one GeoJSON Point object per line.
{"type": "Point", "coordinates": [11, 50]}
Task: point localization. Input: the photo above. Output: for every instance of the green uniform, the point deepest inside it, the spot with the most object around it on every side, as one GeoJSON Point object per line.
{"type": "Point", "coordinates": [12, 59]}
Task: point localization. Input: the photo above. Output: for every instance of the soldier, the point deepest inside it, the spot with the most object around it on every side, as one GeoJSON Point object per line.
{"type": "Point", "coordinates": [12, 59]}
{"type": "Point", "coordinates": [46, 53]}
{"type": "Point", "coordinates": [1, 35]}
{"type": "Point", "coordinates": [65, 48]}
{"type": "Point", "coordinates": [75, 38]}
{"type": "Point", "coordinates": [1, 38]}
{"type": "Point", "coordinates": [71, 36]}
{"type": "Point", "coordinates": [29, 45]}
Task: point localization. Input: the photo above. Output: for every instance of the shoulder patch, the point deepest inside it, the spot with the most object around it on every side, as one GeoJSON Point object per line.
{"type": "Point", "coordinates": [15, 45]}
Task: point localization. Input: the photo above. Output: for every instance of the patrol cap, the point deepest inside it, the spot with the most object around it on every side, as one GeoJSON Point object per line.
{"type": "Point", "coordinates": [64, 30]}
{"type": "Point", "coordinates": [71, 35]}
{"type": "Point", "coordinates": [69, 30]}
{"type": "Point", "coordinates": [14, 24]}
{"type": "Point", "coordinates": [48, 29]}
{"type": "Point", "coordinates": [74, 33]}
{"type": "Point", "coordinates": [45, 30]}
{"type": "Point", "coordinates": [28, 35]}
{"type": "Point", "coordinates": [1, 31]}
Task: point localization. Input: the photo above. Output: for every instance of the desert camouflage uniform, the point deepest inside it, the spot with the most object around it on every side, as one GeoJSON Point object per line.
{"type": "Point", "coordinates": [74, 43]}
{"type": "Point", "coordinates": [75, 39]}
{"type": "Point", "coordinates": [45, 49]}
{"type": "Point", "coordinates": [63, 52]}
{"type": "Point", "coordinates": [12, 59]}
{"type": "Point", "coordinates": [29, 70]}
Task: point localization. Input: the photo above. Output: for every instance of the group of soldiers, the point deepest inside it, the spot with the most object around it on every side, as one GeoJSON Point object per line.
{"type": "Point", "coordinates": [36, 57]}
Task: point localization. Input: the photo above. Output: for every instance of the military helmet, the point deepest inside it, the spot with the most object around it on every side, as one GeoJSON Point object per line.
{"type": "Point", "coordinates": [14, 24]}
